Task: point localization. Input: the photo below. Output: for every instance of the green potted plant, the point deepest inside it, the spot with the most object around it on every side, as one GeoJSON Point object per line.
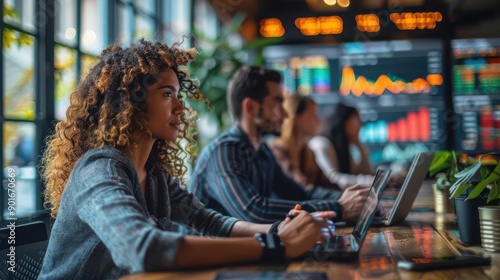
{"type": "Point", "coordinates": [443, 168]}
{"type": "Point", "coordinates": [218, 60]}
{"type": "Point", "coordinates": [473, 182]}
{"type": "Point", "coordinates": [484, 171]}
{"type": "Point", "coordinates": [482, 177]}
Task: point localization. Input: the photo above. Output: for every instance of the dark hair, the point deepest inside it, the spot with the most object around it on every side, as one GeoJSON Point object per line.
{"type": "Point", "coordinates": [332, 128]}
{"type": "Point", "coordinates": [249, 81]}
{"type": "Point", "coordinates": [303, 101]}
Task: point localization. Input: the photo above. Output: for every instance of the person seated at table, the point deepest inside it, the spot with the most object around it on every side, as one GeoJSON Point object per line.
{"type": "Point", "coordinates": [237, 175]}
{"type": "Point", "coordinates": [290, 148]}
{"type": "Point", "coordinates": [338, 151]}
{"type": "Point", "coordinates": [111, 171]}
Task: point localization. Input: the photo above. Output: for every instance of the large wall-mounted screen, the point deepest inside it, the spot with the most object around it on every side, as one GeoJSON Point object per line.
{"type": "Point", "coordinates": [476, 94]}
{"type": "Point", "coordinates": [398, 87]}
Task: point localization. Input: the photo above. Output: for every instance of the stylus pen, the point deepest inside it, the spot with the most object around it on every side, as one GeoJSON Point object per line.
{"type": "Point", "coordinates": [331, 227]}
{"type": "Point", "coordinates": [298, 208]}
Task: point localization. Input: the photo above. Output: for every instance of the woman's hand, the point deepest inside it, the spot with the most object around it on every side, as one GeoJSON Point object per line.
{"type": "Point", "coordinates": [352, 201]}
{"type": "Point", "coordinates": [325, 215]}
{"type": "Point", "coordinates": [303, 231]}
{"type": "Point", "coordinates": [396, 181]}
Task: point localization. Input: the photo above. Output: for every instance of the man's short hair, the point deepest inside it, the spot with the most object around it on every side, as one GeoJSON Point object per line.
{"type": "Point", "coordinates": [249, 81]}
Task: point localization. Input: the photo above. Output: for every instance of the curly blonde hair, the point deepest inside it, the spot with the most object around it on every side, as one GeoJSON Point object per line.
{"type": "Point", "coordinates": [106, 109]}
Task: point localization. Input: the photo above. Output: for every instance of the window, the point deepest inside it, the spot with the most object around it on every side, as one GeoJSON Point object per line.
{"type": "Point", "coordinates": [176, 26]}
{"type": "Point", "coordinates": [17, 115]}
{"type": "Point", "coordinates": [139, 19]}
{"type": "Point", "coordinates": [34, 97]}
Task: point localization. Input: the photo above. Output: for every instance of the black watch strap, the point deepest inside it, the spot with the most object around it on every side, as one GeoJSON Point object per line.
{"type": "Point", "coordinates": [274, 228]}
{"type": "Point", "coordinates": [273, 249]}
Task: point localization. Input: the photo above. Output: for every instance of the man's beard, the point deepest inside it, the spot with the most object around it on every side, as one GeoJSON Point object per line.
{"type": "Point", "coordinates": [265, 125]}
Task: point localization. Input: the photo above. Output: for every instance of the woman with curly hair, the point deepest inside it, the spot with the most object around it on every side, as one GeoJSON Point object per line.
{"type": "Point", "coordinates": [110, 174]}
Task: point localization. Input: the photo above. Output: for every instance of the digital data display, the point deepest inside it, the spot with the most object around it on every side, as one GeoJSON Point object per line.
{"type": "Point", "coordinates": [397, 86]}
{"type": "Point", "coordinates": [305, 69]}
{"type": "Point", "coordinates": [476, 94]}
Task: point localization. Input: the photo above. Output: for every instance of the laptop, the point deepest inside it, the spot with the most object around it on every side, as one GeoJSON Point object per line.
{"type": "Point", "coordinates": [348, 246]}
{"type": "Point", "coordinates": [409, 191]}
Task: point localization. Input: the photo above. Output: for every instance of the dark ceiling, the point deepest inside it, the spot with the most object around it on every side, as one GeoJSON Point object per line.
{"type": "Point", "coordinates": [466, 11]}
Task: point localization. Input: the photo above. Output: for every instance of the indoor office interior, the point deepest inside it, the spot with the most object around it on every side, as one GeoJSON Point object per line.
{"type": "Point", "coordinates": [424, 75]}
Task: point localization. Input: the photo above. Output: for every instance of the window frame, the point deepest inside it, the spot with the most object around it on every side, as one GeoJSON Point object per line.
{"type": "Point", "coordinates": [44, 66]}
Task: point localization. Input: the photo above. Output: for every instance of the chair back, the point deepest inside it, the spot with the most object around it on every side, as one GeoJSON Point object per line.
{"type": "Point", "coordinates": [31, 242]}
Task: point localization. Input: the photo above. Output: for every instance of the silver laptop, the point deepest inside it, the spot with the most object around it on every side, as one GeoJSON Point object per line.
{"type": "Point", "coordinates": [409, 190]}
{"type": "Point", "coordinates": [348, 246]}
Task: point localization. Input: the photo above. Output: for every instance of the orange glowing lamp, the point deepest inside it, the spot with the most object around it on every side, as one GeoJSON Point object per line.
{"type": "Point", "coordinates": [271, 27]}
{"type": "Point", "coordinates": [368, 23]}
{"type": "Point", "coordinates": [419, 20]}
{"type": "Point", "coordinates": [326, 25]}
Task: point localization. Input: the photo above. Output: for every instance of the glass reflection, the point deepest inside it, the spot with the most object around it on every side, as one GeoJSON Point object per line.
{"type": "Point", "coordinates": [125, 24]}
{"type": "Point", "coordinates": [19, 154]}
{"type": "Point", "coordinates": [144, 27]}
{"type": "Point", "coordinates": [87, 62]}
{"type": "Point", "coordinates": [20, 13]}
{"type": "Point", "coordinates": [177, 18]}
{"type": "Point", "coordinates": [65, 22]}
{"type": "Point", "coordinates": [65, 78]}
{"type": "Point", "coordinates": [92, 37]}
{"type": "Point", "coordinates": [147, 6]}
{"type": "Point", "coordinates": [18, 75]}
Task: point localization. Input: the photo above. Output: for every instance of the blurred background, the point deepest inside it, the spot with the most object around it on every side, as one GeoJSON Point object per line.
{"type": "Point", "coordinates": [425, 75]}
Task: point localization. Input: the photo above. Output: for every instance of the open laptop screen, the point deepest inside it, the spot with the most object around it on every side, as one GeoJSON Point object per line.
{"type": "Point", "coordinates": [371, 203]}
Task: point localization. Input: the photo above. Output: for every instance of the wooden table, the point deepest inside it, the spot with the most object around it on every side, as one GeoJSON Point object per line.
{"type": "Point", "coordinates": [424, 233]}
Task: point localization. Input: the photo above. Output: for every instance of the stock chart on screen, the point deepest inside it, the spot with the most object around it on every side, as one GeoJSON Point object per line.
{"type": "Point", "coordinates": [397, 86]}
{"type": "Point", "coordinates": [476, 94]}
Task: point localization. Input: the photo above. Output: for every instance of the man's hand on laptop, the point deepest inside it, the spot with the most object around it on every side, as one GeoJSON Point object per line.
{"type": "Point", "coordinates": [352, 201]}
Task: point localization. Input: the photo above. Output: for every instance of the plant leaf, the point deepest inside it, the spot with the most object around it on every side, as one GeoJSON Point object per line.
{"type": "Point", "coordinates": [10, 12]}
{"type": "Point", "coordinates": [236, 22]}
{"type": "Point", "coordinates": [464, 176]}
{"type": "Point", "coordinates": [470, 169]}
{"type": "Point", "coordinates": [460, 190]}
{"type": "Point", "coordinates": [478, 189]}
{"type": "Point", "coordinates": [494, 176]}
{"type": "Point", "coordinates": [455, 162]}
{"type": "Point", "coordinates": [495, 192]}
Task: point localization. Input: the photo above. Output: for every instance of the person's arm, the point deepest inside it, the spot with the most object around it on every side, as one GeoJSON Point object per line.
{"type": "Point", "coordinates": [297, 235]}
{"type": "Point", "coordinates": [242, 229]}
{"type": "Point", "coordinates": [195, 251]}
{"type": "Point", "coordinates": [227, 181]}
{"type": "Point", "coordinates": [327, 160]}
{"type": "Point", "coordinates": [107, 205]}
{"type": "Point", "coordinates": [315, 199]}
{"type": "Point", "coordinates": [189, 211]}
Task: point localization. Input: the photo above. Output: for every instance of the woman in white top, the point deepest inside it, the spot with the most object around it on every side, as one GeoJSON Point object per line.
{"type": "Point", "coordinates": [338, 152]}
{"type": "Point", "coordinates": [290, 149]}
